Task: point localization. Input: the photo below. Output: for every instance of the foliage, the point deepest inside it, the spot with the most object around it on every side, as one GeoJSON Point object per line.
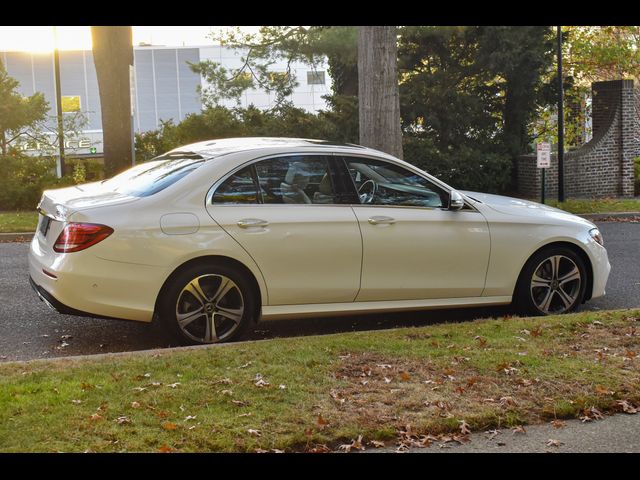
{"type": "Point", "coordinates": [18, 115]}
{"type": "Point", "coordinates": [221, 122]}
{"type": "Point", "coordinates": [24, 179]}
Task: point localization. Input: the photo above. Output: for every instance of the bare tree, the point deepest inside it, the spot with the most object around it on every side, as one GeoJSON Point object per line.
{"type": "Point", "coordinates": [378, 94]}
{"type": "Point", "coordinates": [112, 55]}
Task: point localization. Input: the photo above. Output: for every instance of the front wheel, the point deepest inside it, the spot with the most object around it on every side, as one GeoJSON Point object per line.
{"type": "Point", "coordinates": [207, 304]}
{"type": "Point", "coordinates": [552, 282]}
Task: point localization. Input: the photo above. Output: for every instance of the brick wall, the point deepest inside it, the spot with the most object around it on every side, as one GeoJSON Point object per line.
{"type": "Point", "coordinates": [602, 167]}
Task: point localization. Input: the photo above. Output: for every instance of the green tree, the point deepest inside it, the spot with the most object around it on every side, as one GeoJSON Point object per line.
{"type": "Point", "coordinates": [18, 115]}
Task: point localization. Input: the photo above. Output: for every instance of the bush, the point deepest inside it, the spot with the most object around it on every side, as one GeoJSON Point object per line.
{"type": "Point", "coordinates": [24, 178]}
{"type": "Point", "coordinates": [463, 168]}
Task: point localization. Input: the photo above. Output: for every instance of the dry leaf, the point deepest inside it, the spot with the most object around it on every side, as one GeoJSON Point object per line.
{"type": "Point", "coordinates": [405, 377]}
{"type": "Point", "coordinates": [95, 417]}
{"type": "Point", "coordinates": [76, 402]}
{"type": "Point", "coordinates": [321, 422]}
{"type": "Point", "coordinates": [519, 429]}
{"type": "Point", "coordinates": [174, 385]}
{"type": "Point", "coordinates": [603, 391]}
{"type": "Point", "coordinates": [123, 420]}
{"type": "Point", "coordinates": [554, 443]}
{"type": "Point", "coordinates": [355, 444]}
{"type": "Point", "coordinates": [135, 405]}
{"type": "Point", "coordinates": [319, 448]}
{"type": "Point", "coordinates": [464, 427]}
{"type": "Point", "coordinates": [240, 403]}
{"type": "Point", "coordinates": [166, 449]}
{"type": "Point", "coordinates": [226, 392]}
{"type": "Point", "coordinates": [627, 407]}
{"type": "Point", "coordinates": [255, 433]}
{"type": "Point", "coordinates": [376, 444]}
{"type": "Point", "coordinates": [189, 417]}
{"type": "Point", "coordinates": [169, 426]}
{"type": "Point", "coordinates": [558, 424]}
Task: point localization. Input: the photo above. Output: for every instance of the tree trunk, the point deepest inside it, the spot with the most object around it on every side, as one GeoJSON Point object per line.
{"type": "Point", "coordinates": [378, 95]}
{"type": "Point", "coordinates": [112, 55]}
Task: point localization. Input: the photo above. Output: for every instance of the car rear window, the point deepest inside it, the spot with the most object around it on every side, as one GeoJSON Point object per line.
{"type": "Point", "coordinates": [155, 175]}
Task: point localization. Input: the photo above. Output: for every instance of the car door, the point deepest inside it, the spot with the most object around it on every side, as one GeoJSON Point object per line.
{"type": "Point", "coordinates": [286, 212]}
{"type": "Point", "coordinates": [413, 246]}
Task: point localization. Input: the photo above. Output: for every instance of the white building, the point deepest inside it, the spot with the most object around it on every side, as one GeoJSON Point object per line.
{"type": "Point", "coordinates": [165, 87]}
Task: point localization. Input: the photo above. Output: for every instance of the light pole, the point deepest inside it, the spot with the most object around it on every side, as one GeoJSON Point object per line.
{"type": "Point", "coordinates": [56, 66]}
{"type": "Point", "coordinates": [560, 121]}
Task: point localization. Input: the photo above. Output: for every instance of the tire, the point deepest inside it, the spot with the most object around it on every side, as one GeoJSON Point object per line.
{"type": "Point", "coordinates": [203, 292]}
{"type": "Point", "coordinates": [540, 291]}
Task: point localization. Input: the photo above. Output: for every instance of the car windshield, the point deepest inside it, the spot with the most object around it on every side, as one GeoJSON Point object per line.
{"type": "Point", "coordinates": [156, 175]}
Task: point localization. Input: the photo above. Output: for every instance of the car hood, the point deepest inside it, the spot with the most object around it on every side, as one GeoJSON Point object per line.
{"type": "Point", "coordinates": [525, 208]}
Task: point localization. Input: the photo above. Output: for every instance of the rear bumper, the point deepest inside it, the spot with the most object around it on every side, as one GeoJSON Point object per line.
{"type": "Point", "coordinates": [82, 284]}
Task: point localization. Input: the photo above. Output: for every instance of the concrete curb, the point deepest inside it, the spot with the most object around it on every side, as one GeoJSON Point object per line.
{"type": "Point", "coordinates": [16, 237]}
{"type": "Point", "coordinates": [597, 216]}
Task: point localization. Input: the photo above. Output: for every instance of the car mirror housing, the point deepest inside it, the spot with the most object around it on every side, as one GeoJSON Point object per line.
{"type": "Point", "coordinates": [456, 202]}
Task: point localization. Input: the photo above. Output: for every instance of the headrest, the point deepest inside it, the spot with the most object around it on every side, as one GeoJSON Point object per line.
{"type": "Point", "coordinates": [297, 175]}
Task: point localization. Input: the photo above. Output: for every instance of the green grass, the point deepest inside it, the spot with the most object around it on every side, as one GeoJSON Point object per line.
{"type": "Point", "coordinates": [600, 205]}
{"type": "Point", "coordinates": [489, 373]}
{"type": "Point", "coordinates": [18, 222]}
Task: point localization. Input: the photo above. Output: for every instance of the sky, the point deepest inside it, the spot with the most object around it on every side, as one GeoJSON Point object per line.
{"type": "Point", "coordinates": [41, 38]}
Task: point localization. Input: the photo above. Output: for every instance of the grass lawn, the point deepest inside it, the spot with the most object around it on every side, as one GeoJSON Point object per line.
{"type": "Point", "coordinates": [301, 394]}
{"type": "Point", "coordinates": [18, 222]}
{"type": "Point", "coordinates": [600, 205]}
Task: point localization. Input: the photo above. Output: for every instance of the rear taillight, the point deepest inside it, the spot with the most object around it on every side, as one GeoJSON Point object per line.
{"type": "Point", "coordinates": [78, 236]}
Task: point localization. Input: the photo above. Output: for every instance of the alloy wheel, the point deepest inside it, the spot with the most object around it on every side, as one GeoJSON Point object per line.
{"type": "Point", "coordinates": [209, 308]}
{"type": "Point", "coordinates": [555, 284]}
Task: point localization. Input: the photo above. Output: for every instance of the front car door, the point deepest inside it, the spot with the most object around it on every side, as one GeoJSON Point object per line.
{"type": "Point", "coordinates": [413, 246]}
{"type": "Point", "coordinates": [289, 214]}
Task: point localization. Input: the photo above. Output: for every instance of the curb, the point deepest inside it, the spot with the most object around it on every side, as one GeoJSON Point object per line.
{"type": "Point", "coordinates": [16, 237]}
{"type": "Point", "coordinates": [606, 215]}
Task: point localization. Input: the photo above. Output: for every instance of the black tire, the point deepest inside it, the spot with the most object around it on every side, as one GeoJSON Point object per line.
{"type": "Point", "coordinates": [195, 333]}
{"type": "Point", "coordinates": [529, 298]}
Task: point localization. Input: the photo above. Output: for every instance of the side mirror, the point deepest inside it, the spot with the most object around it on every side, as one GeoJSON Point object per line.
{"type": "Point", "coordinates": [456, 202]}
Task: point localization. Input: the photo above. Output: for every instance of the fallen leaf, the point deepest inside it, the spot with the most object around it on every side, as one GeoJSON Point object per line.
{"type": "Point", "coordinates": [169, 426]}
{"type": "Point", "coordinates": [174, 385]}
{"type": "Point", "coordinates": [240, 403]}
{"type": "Point", "coordinates": [319, 448]}
{"type": "Point", "coordinates": [355, 444]}
{"type": "Point", "coordinates": [558, 424]}
{"type": "Point", "coordinates": [226, 392]}
{"type": "Point", "coordinates": [282, 386]}
{"type": "Point", "coordinates": [260, 382]}
{"type": "Point", "coordinates": [519, 429]}
{"type": "Point", "coordinates": [189, 417]}
{"type": "Point", "coordinates": [166, 449]}
{"type": "Point", "coordinates": [536, 332]}
{"type": "Point", "coordinates": [554, 443]}
{"type": "Point", "coordinates": [123, 420]}
{"type": "Point", "coordinates": [627, 407]}
{"type": "Point", "coordinates": [405, 377]}
{"type": "Point", "coordinates": [245, 365]}
{"type": "Point", "coordinates": [377, 444]}
{"type": "Point", "coordinates": [603, 391]}
{"type": "Point", "coordinates": [322, 422]}
{"type": "Point", "coordinates": [76, 402]}
{"type": "Point", "coordinates": [95, 417]}
{"type": "Point", "coordinates": [464, 427]}
{"type": "Point", "coordinates": [255, 433]}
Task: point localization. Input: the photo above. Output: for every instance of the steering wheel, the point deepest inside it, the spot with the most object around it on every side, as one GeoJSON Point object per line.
{"type": "Point", "coordinates": [367, 191]}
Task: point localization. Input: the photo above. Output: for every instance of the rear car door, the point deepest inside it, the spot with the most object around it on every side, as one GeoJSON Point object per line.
{"type": "Point", "coordinates": [288, 214]}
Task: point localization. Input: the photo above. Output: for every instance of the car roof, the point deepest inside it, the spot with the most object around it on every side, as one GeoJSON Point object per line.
{"type": "Point", "coordinates": [224, 146]}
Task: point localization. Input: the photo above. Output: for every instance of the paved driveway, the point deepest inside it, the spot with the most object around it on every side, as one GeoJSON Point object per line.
{"type": "Point", "coordinates": [28, 329]}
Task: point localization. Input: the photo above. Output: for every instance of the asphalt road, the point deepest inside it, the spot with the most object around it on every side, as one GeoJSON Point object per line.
{"type": "Point", "coordinates": [29, 330]}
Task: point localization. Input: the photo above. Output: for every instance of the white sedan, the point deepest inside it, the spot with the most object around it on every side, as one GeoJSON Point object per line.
{"type": "Point", "coordinates": [211, 237]}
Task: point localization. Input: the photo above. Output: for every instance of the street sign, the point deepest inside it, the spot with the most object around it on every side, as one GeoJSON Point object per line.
{"type": "Point", "coordinates": [544, 155]}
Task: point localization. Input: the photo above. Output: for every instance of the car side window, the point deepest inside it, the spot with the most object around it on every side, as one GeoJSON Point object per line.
{"type": "Point", "coordinates": [384, 183]}
{"type": "Point", "coordinates": [296, 179]}
{"type": "Point", "coordinates": [239, 188]}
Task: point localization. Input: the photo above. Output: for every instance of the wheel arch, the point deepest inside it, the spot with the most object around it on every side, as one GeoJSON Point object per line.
{"type": "Point", "coordinates": [219, 260]}
{"type": "Point", "coordinates": [577, 250]}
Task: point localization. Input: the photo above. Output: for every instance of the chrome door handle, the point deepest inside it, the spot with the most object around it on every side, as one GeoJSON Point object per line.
{"type": "Point", "coordinates": [252, 222]}
{"type": "Point", "coordinates": [382, 220]}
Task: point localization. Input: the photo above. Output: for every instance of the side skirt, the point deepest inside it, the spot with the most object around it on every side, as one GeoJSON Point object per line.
{"type": "Point", "coordinates": [276, 312]}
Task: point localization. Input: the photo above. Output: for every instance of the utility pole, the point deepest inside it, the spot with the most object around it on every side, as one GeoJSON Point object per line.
{"type": "Point", "coordinates": [56, 66]}
{"type": "Point", "coordinates": [560, 121]}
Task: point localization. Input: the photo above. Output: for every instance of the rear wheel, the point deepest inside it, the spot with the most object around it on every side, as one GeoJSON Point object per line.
{"type": "Point", "coordinates": [552, 282]}
{"type": "Point", "coordinates": [207, 304]}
